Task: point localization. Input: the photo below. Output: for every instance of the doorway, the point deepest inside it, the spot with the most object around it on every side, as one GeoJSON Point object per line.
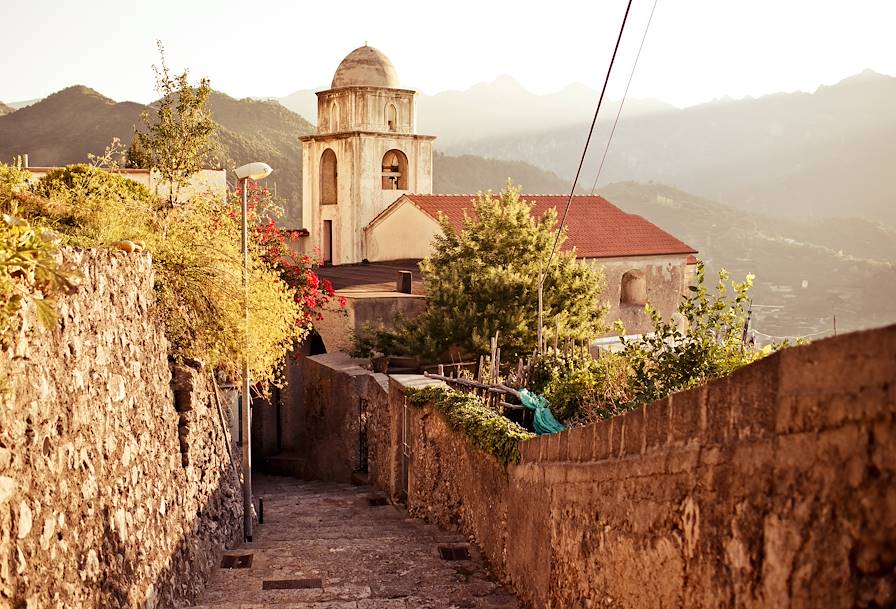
{"type": "Point", "coordinates": [327, 242]}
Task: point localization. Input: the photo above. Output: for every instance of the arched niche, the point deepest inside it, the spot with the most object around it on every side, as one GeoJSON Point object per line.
{"type": "Point", "coordinates": [334, 116]}
{"type": "Point", "coordinates": [328, 173]}
{"type": "Point", "coordinates": [633, 290]}
{"type": "Point", "coordinates": [391, 117]}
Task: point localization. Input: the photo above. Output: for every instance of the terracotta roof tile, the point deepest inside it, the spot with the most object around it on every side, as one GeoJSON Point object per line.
{"type": "Point", "coordinates": [596, 228]}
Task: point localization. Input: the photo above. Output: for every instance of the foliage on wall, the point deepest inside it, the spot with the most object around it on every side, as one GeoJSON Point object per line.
{"type": "Point", "coordinates": [197, 261]}
{"type": "Point", "coordinates": [485, 428]}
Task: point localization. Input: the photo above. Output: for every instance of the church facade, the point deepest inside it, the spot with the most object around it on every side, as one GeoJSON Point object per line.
{"type": "Point", "coordinates": [365, 155]}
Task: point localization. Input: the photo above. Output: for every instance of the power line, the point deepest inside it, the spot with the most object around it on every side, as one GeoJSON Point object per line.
{"type": "Point", "coordinates": [624, 95]}
{"type": "Point", "coordinates": [588, 140]}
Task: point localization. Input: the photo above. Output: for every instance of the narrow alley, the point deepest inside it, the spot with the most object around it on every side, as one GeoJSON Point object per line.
{"type": "Point", "coordinates": [336, 546]}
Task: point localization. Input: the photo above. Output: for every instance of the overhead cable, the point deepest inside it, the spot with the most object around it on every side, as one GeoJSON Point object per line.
{"type": "Point", "coordinates": [588, 140]}
{"type": "Point", "coordinates": [622, 102]}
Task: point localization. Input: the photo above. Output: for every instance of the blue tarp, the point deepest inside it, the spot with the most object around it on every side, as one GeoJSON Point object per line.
{"type": "Point", "coordinates": [544, 421]}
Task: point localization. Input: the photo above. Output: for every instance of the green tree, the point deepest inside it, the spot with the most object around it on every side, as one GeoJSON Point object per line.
{"type": "Point", "coordinates": [484, 280]}
{"type": "Point", "coordinates": [180, 139]}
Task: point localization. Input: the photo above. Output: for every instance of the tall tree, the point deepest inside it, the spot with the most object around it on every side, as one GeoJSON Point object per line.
{"type": "Point", "coordinates": [484, 280]}
{"type": "Point", "coordinates": [180, 138]}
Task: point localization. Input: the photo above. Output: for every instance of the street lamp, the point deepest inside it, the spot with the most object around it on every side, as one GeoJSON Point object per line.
{"type": "Point", "coordinates": [255, 172]}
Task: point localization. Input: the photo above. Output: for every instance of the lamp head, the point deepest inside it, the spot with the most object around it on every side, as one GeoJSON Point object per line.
{"type": "Point", "coordinates": [253, 171]}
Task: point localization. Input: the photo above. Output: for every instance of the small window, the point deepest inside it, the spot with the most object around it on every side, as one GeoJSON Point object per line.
{"type": "Point", "coordinates": [395, 170]}
{"type": "Point", "coordinates": [634, 289]}
{"type": "Point", "coordinates": [391, 117]}
{"type": "Point", "coordinates": [328, 191]}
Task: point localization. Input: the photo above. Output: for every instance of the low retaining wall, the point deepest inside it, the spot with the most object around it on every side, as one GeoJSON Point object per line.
{"type": "Point", "coordinates": [771, 488]}
{"type": "Point", "coordinates": [116, 488]}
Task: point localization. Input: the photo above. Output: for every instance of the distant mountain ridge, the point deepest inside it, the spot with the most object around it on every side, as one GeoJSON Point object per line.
{"type": "Point", "coordinates": [64, 127]}
{"type": "Point", "coordinates": [829, 153]}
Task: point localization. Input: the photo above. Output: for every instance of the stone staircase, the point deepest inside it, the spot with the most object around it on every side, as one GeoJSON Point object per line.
{"type": "Point", "coordinates": [337, 546]}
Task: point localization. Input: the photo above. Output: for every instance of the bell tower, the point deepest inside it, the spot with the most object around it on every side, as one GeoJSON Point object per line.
{"type": "Point", "coordinates": [364, 155]}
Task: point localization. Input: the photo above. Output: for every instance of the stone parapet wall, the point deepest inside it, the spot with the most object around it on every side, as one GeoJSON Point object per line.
{"type": "Point", "coordinates": [771, 488]}
{"type": "Point", "coordinates": [116, 488]}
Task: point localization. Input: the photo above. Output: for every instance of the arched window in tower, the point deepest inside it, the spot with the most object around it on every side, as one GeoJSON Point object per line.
{"type": "Point", "coordinates": [395, 170]}
{"type": "Point", "coordinates": [633, 290]}
{"type": "Point", "coordinates": [328, 178]}
{"type": "Point", "coordinates": [334, 117]}
{"type": "Point", "coordinates": [391, 117]}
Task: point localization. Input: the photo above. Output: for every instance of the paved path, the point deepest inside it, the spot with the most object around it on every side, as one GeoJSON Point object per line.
{"type": "Point", "coordinates": [367, 557]}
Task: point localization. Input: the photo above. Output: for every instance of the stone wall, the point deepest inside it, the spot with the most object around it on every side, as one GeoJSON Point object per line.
{"type": "Point", "coordinates": [116, 488]}
{"type": "Point", "coordinates": [771, 488]}
{"type": "Point", "coordinates": [337, 391]}
{"type": "Point", "coordinates": [666, 279]}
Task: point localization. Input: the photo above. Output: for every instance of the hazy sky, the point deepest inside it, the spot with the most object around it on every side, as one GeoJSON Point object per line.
{"type": "Point", "coordinates": [696, 50]}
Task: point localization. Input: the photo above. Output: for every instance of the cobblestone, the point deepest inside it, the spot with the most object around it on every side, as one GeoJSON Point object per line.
{"type": "Point", "coordinates": [368, 557]}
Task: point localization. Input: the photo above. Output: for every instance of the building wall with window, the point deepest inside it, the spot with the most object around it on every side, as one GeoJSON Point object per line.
{"type": "Point", "coordinates": [635, 281]}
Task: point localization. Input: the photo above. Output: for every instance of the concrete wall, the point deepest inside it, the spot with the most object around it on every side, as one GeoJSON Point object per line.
{"type": "Point", "coordinates": [328, 429]}
{"type": "Point", "coordinates": [116, 489]}
{"type": "Point", "coordinates": [363, 308]}
{"type": "Point", "coordinates": [771, 488]}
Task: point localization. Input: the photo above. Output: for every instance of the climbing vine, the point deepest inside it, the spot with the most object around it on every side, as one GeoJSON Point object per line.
{"type": "Point", "coordinates": [486, 429]}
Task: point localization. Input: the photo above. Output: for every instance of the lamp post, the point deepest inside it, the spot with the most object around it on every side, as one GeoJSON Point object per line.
{"type": "Point", "coordinates": [255, 172]}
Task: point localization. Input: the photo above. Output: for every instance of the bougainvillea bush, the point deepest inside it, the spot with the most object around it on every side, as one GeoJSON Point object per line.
{"type": "Point", "coordinates": [197, 258]}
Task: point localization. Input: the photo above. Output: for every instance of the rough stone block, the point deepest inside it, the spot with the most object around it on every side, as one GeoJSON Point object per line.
{"type": "Point", "coordinates": [552, 447]}
{"type": "Point", "coordinates": [841, 364]}
{"type": "Point", "coordinates": [632, 433]}
{"type": "Point", "coordinates": [720, 395]}
{"type": "Point", "coordinates": [586, 443]}
{"type": "Point", "coordinates": [687, 409]}
{"type": "Point", "coordinates": [563, 445]}
{"type": "Point", "coordinates": [600, 441]}
{"type": "Point", "coordinates": [529, 451]}
{"type": "Point", "coordinates": [657, 415]}
{"type": "Point", "coordinates": [754, 393]}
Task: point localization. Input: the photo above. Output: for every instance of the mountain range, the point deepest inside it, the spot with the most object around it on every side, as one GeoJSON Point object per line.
{"type": "Point", "coordinates": [494, 109]}
{"type": "Point", "coordinates": [807, 272]}
{"type": "Point", "coordinates": [824, 154]}
{"type": "Point", "coordinates": [68, 125]}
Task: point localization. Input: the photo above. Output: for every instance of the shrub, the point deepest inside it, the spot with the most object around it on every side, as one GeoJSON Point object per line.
{"type": "Point", "coordinates": [711, 345]}
{"type": "Point", "coordinates": [198, 266]}
{"type": "Point", "coordinates": [486, 429]}
{"type": "Point", "coordinates": [579, 388]}
{"type": "Point", "coordinates": [29, 272]}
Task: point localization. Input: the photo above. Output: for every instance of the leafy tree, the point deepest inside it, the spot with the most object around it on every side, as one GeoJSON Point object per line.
{"type": "Point", "coordinates": [180, 140]}
{"type": "Point", "coordinates": [485, 280]}
{"type": "Point", "coordinates": [711, 345]}
{"type": "Point", "coordinates": [29, 269]}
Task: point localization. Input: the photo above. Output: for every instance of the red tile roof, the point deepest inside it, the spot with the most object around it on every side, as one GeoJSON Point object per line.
{"type": "Point", "coordinates": [595, 227]}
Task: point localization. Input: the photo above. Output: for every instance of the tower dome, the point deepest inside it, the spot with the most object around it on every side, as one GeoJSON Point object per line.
{"type": "Point", "coordinates": [365, 67]}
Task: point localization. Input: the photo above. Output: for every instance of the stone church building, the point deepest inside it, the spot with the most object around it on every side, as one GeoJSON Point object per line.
{"type": "Point", "coordinates": [367, 198]}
